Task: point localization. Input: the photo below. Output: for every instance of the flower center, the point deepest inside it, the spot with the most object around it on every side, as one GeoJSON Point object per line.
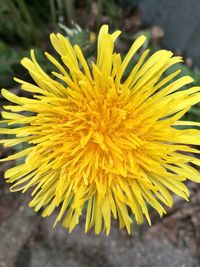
{"type": "Point", "coordinates": [100, 119]}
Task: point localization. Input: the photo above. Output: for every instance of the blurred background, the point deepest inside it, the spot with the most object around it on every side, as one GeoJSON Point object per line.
{"type": "Point", "coordinates": [27, 240]}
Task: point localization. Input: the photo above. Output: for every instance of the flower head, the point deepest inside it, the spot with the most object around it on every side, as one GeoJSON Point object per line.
{"type": "Point", "coordinates": [99, 142]}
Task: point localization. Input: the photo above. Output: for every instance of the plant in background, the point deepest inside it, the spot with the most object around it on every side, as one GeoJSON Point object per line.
{"type": "Point", "coordinates": [18, 22]}
{"type": "Point", "coordinates": [99, 141]}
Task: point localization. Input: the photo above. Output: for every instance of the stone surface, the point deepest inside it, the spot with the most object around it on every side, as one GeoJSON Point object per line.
{"type": "Point", "coordinates": [26, 240]}
{"type": "Point", "coordinates": [60, 249]}
{"type": "Point", "coordinates": [14, 232]}
{"type": "Point", "coordinates": [180, 20]}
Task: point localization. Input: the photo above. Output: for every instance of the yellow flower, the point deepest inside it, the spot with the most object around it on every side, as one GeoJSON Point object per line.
{"type": "Point", "coordinates": [92, 37]}
{"type": "Point", "coordinates": [102, 144]}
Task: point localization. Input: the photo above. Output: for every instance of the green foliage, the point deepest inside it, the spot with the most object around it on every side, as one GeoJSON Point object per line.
{"type": "Point", "coordinates": [10, 65]}
{"type": "Point", "coordinates": [18, 23]}
{"type": "Point", "coordinates": [8, 58]}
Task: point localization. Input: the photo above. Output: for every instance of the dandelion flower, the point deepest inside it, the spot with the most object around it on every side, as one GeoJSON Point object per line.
{"type": "Point", "coordinates": [99, 143]}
